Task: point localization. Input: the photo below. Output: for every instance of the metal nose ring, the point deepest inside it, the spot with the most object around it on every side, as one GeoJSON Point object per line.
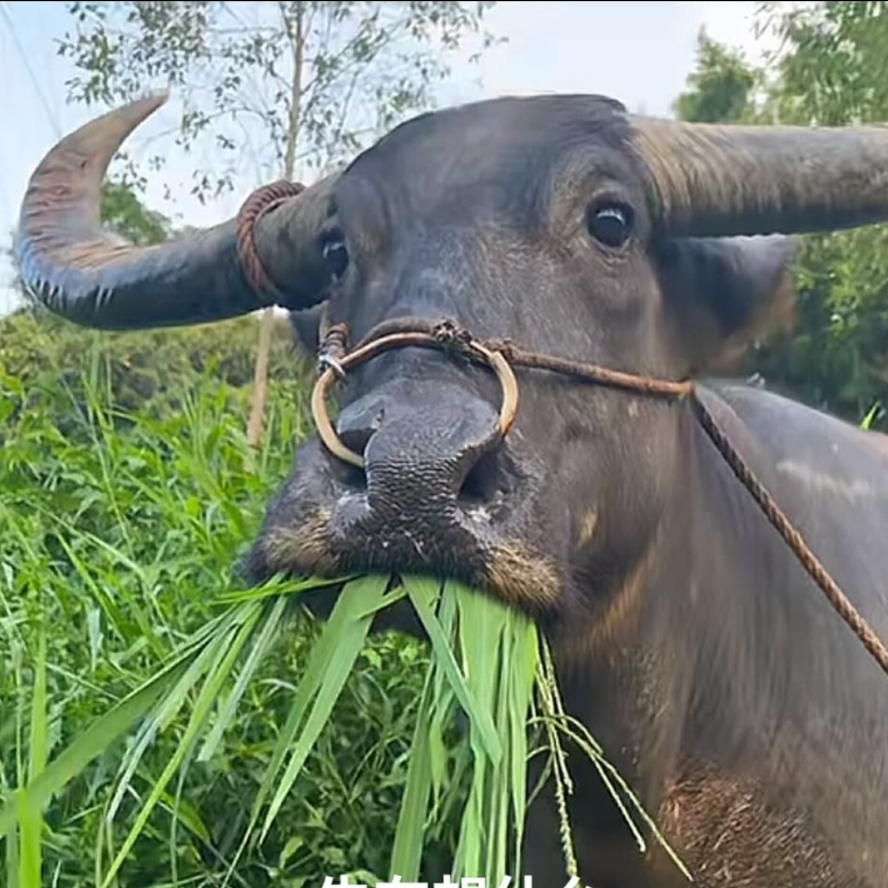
{"type": "Point", "coordinates": [336, 369]}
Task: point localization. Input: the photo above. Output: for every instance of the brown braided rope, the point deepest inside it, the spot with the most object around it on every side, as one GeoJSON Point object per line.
{"type": "Point", "coordinates": [336, 359]}
{"type": "Point", "coordinates": [261, 201]}
{"type": "Point", "coordinates": [796, 542]}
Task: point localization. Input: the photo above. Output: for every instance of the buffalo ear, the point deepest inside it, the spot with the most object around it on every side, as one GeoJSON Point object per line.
{"type": "Point", "coordinates": [723, 294]}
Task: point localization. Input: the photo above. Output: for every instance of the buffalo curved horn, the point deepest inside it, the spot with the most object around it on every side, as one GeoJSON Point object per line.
{"type": "Point", "coordinates": [84, 273]}
{"type": "Point", "coordinates": [725, 180]}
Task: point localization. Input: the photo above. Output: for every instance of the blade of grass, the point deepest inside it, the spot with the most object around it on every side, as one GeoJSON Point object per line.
{"type": "Point", "coordinates": [30, 817]}
{"type": "Point", "coordinates": [524, 668]}
{"type": "Point", "coordinates": [478, 646]}
{"type": "Point", "coordinates": [91, 743]}
{"type": "Point", "coordinates": [262, 644]}
{"type": "Point", "coordinates": [407, 848]}
{"type": "Point", "coordinates": [363, 592]}
{"type": "Point", "coordinates": [228, 647]}
{"type": "Point", "coordinates": [275, 588]}
{"type": "Point", "coordinates": [443, 703]}
{"type": "Point", "coordinates": [423, 593]}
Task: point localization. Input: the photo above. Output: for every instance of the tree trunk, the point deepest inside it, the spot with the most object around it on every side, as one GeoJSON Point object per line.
{"type": "Point", "coordinates": [295, 32]}
{"type": "Point", "coordinates": [260, 379]}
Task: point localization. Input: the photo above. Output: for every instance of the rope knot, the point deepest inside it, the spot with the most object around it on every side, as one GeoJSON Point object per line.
{"type": "Point", "coordinates": [448, 332]}
{"type": "Point", "coordinates": [336, 341]}
{"type": "Point", "coordinates": [505, 347]}
{"type": "Point", "coordinates": [453, 337]}
{"type": "Point", "coordinates": [334, 349]}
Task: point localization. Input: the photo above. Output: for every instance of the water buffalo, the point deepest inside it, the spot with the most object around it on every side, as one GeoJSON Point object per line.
{"type": "Point", "coordinates": [747, 717]}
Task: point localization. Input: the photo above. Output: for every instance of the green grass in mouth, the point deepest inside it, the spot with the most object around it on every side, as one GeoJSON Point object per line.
{"type": "Point", "coordinates": [487, 660]}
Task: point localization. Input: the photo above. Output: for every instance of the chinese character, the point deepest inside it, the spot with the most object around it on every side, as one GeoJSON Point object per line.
{"type": "Point", "coordinates": [397, 883]}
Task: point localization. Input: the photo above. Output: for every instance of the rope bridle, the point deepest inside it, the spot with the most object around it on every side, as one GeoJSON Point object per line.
{"type": "Point", "coordinates": [336, 360]}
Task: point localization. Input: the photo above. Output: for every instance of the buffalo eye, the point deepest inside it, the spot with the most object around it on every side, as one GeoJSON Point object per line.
{"type": "Point", "coordinates": [610, 223]}
{"type": "Point", "coordinates": [335, 254]}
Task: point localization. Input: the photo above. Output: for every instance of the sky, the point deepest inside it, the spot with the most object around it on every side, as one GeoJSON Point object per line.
{"type": "Point", "coordinates": [637, 52]}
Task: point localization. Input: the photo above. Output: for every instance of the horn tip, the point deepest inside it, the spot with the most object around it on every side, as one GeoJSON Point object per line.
{"type": "Point", "coordinates": [138, 110]}
{"type": "Point", "coordinates": [153, 99]}
{"type": "Point", "coordinates": [100, 137]}
{"type": "Point", "coordinates": [63, 190]}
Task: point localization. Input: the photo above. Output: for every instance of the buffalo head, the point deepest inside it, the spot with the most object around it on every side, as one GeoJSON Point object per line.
{"type": "Point", "coordinates": [562, 223]}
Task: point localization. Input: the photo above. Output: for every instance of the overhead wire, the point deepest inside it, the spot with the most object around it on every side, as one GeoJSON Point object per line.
{"type": "Point", "coordinates": [26, 62]}
{"type": "Point", "coordinates": [8, 294]}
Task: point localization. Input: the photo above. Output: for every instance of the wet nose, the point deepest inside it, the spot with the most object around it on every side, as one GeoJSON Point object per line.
{"type": "Point", "coordinates": [421, 455]}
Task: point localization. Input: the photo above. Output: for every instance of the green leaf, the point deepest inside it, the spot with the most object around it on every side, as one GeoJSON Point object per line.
{"type": "Point", "coordinates": [89, 744]}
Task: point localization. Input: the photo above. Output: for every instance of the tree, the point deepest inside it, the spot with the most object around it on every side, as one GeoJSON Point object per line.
{"type": "Point", "coordinates": [837, 356]}
{"type": "Point", "coordinates": [290, 86]}
{"type": "Point", "coordinates": [832, 71]}
{"type": "Point", "coordinates": [124, 212]}
{"type": "Point", "coordinates": [833, 59]}
{"type": "Point", "coordinates": [720, 89]}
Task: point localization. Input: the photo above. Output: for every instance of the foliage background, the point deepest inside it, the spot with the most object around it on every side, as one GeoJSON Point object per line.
{"type": "Point", "coordinates": [832, 71]}
{"type": "Point", "coordinates": [129, 492]}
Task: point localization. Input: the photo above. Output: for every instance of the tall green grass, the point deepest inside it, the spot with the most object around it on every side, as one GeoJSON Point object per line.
{"type": "Point", "coordinates": [119, 534]}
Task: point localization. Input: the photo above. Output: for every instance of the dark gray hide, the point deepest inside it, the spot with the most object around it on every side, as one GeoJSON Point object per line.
{"type": "Point", "coordinates": [748, 719]}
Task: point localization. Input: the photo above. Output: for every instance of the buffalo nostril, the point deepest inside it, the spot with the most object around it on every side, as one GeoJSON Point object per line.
{"type": "Point", "coordinates": [346, 474]}
{"type": "Point", "coordinates": [416, 454]}
{"type": "Point", "coordinates": [483, 482]}
{"type": "Point", "coordinates": [356, 425]}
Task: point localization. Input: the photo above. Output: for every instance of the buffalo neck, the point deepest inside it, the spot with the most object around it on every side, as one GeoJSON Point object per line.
{"type": "Point", "coordinates": [681, 670]}
{"type": "Point", "coordinates": [725, 657]}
